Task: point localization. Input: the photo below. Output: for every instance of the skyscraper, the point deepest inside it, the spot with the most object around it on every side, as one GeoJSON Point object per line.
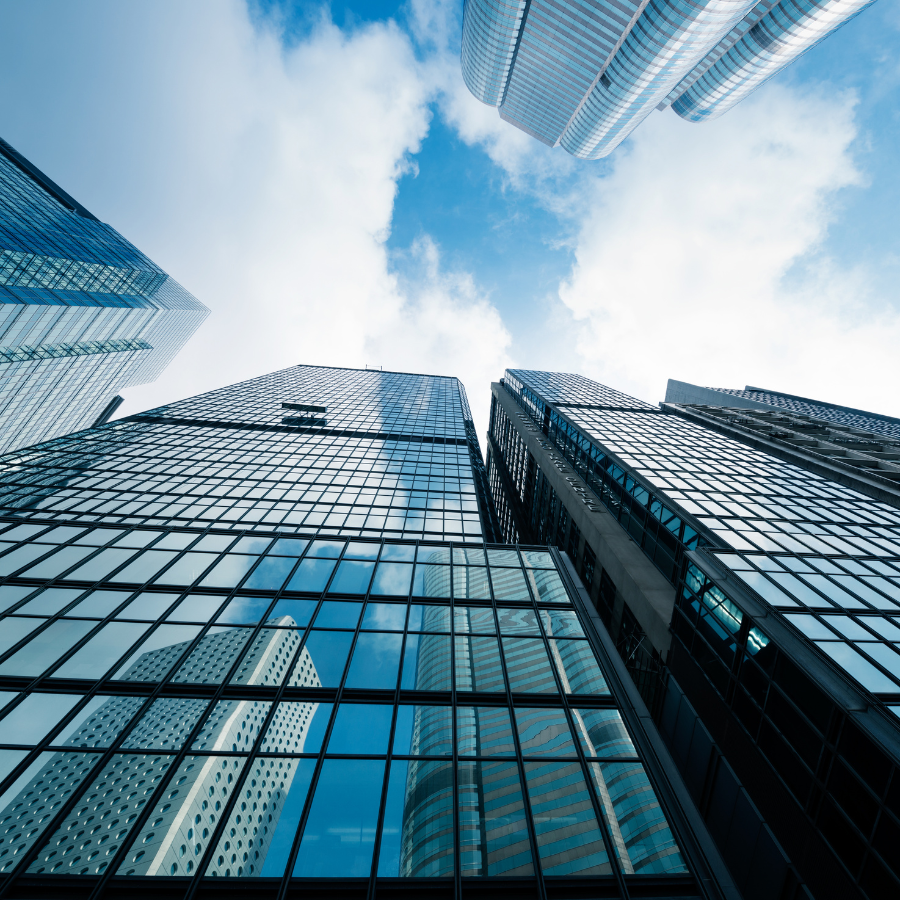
{"type": "Point", "coordinates": [585, 75]}
{"type": "Point", "coordinates": [747, 564]}
{"type": "Point", "coordinates": [83, 313]}
{"type": "Point", "coordinates": [258, 636]}
{"type": "Point", "coordinates": [845, 417]}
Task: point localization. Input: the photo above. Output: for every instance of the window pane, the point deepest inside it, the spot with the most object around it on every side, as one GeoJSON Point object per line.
{"type": "Point", "coordinates": [184, 818]}
{"type": "Point", "coordinates": [641, 835]}
{"type": "Point", "coordinates": [146, 606]}
{"type": "Point", "coordinates": [478, 666]}
{"type": "Point", "coordinates": [431, 581]}
{"type": "Point", "coordinates": [578, 668]}
{"type": "Point", "coordinates": [417, 834]}
{"type": "Point", "coordinates": [288, 547]}
{"type": "Point", "coordinates": [484, 731]}
{"type": "Point", "coordinates": [12, 631]}
{"type": "Point", "coordinates": [187, 570]}
{"type": "Point", "coordinates": [544, 732]}
{"type": "Point", "coordinates": [327, 651]}
{"type": "Point", "coordinates": [165, 725]}
{"type": "Point", "coordinates": [518, 621]}
{"type": "Point", "coordinates": [195, 608]}
{"type": "Point", "coordinates": [145, 566]}
{"type": "Point", "coordinates": [528, 666]}
{"type": "Point", "coordinates": [548, 587]}
{"type": "Point", "coordinates": [37, 714]}
{"type": "Point", "coordinates": [470, 583]}
{"type": "Point", "coordinates": [48, 602]}
{"type": "Point", "coordinates": [602, 733]}
{"type": "Point", "coordinates": [256, 842]}
{"type": "Point", "coordinates": [31, 797]}
{"type": "Point", "coordinates": [361, 728]}
{"type": "Point", "coordinates": [270, 574]}
{"type": "Point", "coordinates": [162, 649]}
{"type": "Point", "coordinates": [561, 623]}
{"type": "Point", "coordinates": [473, 620]}
{"type": "Point", "coordinates": [100, 603]}
{"type": "Point", "coordinates": [232, 725]}
{"type": "Point", "coordinates": [392, 578]}
{"type": "Point", "coordinates": [63, 559]}
{"type": "Point", "coordinates": [376, 661]}
{"type": "Point", "coordinates": [429, 618]}
{"type": "Point", "coordinates": [297, 727]}
{"type": "Point", "coordinates": [102, 650]}
{"type": "Point", "coordinates": [423, 731]}
{"type": "Point", "coordinates": [493, 836]}
{"type": "Point", "coordinates": [338, 614]}
{"type": "Point", "coordinates": [384, 617]}
{"type": "Point", "coordinates": [300, 611]}
{"type": "Point", "coordinates": [569, 840]}
{"type": "Point", "coordinates": [312, 575]}
{"type": "Point", "coordinates": [247, 610]}
{"type": "Point", "coordinates": [11, 594]}
{"type": "Point", "coordinates": [100, 722]}
{"type": "Point", "coordinates": [211, 660]}
{"type": "Point", "coordinates": [268, 658]}
{"type": "Point", "coordinates": [352, 577]}
{"type": "Point", "coordinates": [509, 584]}
{"type": "Point", "coordinates": [340, 833]}
{"type": "Point", "coordinates": [228, 572]}
{"type": "Point", "coordinates": [45, 648]}
{"type": "Point", "coordinates": [426, 663]}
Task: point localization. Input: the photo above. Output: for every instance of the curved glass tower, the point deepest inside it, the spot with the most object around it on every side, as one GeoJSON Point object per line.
{"type": "Point", "coordinates": [785, 33]}
{"type": "Point", "coordinates": [584, 75]}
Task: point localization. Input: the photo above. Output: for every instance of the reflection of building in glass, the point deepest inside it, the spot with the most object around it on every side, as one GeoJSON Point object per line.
{"type": "Point", "coordinates": [178, 832]}
{"type": "Point", "coordinates": [742, 548]}
{"type": "Point", "coordinates": [83, 313]}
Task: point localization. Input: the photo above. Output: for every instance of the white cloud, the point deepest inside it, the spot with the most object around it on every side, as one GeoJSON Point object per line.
{"type": "Point", "coordinates": [697, 259]}
{"type": "Point", "coordinates": [263, 177]}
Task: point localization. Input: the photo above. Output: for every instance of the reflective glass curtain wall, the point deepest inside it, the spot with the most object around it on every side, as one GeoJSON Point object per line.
{"type": "Point", "coordinates": [83, 313]}
{"type": "Point", "coordinates": [786, 627]}
{"type": "Point", "coordinates": [584, 73]}
{"type": "Point", "coordinates": [257, 636]}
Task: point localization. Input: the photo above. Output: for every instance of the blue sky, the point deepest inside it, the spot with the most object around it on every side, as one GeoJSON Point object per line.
{"type": "Point", "coordinates": [321, 179]}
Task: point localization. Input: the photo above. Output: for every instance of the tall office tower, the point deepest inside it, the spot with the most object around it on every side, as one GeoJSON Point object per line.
{"type": "Point", "coordinates": [83, 313]}
{"type": "Point", "coordinates": [747, 565]}
{"type": "Point", "coordinates": [853, 422]}
{"type": "Point", "coordinates": [258, 637]}
{"type": "Point", "coordinates": [584, 75]}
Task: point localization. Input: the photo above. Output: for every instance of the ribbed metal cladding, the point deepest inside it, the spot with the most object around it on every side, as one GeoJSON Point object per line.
{"type": "Point", "coordinates": [665, 43]}
{"type": "Point", "coordinates": [784, 34]}
{"type": "Point", "coordinates": [490, 32]}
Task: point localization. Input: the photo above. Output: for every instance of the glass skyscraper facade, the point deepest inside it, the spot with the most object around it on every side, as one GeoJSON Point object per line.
{"type": "Point", "coordinates": [83, 313]}
{"type": "Point", "coordinates": [265, 637]}
{"type": "Point", "coordinates": [747, 564]}
{"type": "Point", "coordinates": [584, 75]}
{"type": "Point", "coordinates": [789, 404]}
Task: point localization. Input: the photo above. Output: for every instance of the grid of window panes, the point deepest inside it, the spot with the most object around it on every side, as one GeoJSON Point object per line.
{"type": "Point", "coordinates": [848, 787]}
{"type": "Point", "coordinates": [565, 389]}
{"type": "Point", "coordinates": [74, 296]}
{"type": "Point", "coordinates": [187, 463]}
{"type": "Point", "coordinates": [662, 533]}
{"type": "Point", "coordinates": [848, 607]}
{"type": "Point", "coordinates": [356, 400]}
{"type": "Point", "coordinates": [181, 703]}
{"type": "Point", "coordinates": [840, 415]}
{"type": "Point", "coordinates": [89, 255]}
{"type": "Point", "coordinates": [844, 546]}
